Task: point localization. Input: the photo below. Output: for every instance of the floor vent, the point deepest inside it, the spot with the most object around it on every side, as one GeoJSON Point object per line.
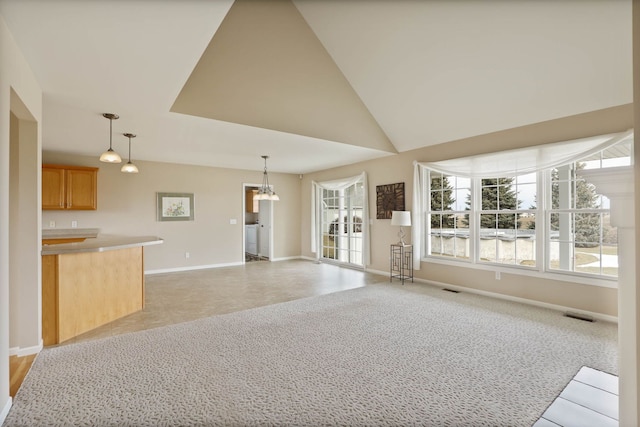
{"type": "Point", "coordinates": [451, 290]}
{"type": "Point", "coordinates": [579, 316]}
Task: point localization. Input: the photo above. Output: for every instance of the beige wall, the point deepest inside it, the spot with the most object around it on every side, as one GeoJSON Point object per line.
{"type": "Point", "coordinates": [24, 213]}
{"type": "Point", "coordinates": [127, 205]}
{"type": "Point", "coordinates": [399, 168]}
{"type": "Point", "coordinates": [21, 95]}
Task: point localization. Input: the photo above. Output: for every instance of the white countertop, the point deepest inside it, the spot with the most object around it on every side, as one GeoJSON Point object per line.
{"type": "Point", "coordinates": [100, 244]}
{"type": "Point", "coordinates": [63, 233]}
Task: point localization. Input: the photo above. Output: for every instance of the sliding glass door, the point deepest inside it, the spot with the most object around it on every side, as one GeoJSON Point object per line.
{"type": "Point", "coordinates": [341, 224]}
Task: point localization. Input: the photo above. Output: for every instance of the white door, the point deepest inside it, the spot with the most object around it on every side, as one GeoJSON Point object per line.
{"type": "Point", "coordinates": [342, 215]}
{"type": "Point", "coordinates": [264, 232]}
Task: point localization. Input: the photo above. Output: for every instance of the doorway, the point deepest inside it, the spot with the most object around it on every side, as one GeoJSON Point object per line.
{"type": "Point", "coordinates": [24, 237]}
{"type": "Point", "coordinates": [342, 215]}
{"type": "Point", "coordinates": [257, 232]}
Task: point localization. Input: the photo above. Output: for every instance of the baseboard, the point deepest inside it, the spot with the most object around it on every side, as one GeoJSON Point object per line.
{"type": "Point", "coordinates": [560, 308]}
{"type": "Point", "coordinates": [556, 307]}
{"type": "Point", "coordinates": [5, 410]}
{"type": "Point", "coordinates": [286, 258]}
{"type": "Point", "coordinates": [20, 352]}
{"type": "Point", "coordinates": [381, 273]}
{"type": "Point", "coordinates": [194, 267]}
{"type": "Point", "coordinates": [202, 267]}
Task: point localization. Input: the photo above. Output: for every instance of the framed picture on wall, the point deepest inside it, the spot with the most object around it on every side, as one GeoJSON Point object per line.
{"type": "Point", "coordinates": [175, 206]}
{"type": "Point", "coordinates": [389, 198]}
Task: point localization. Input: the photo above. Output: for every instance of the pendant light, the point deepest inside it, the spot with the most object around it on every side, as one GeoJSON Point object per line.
{"type": "Point", "coordinates": [266, 192]}
{"type": "Point", "coordinates": [129, 167]}
{"type": "Point", "coordinates": [110, 156]}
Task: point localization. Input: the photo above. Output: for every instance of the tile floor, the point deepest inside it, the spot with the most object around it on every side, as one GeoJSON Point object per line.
{"type": "Point", "coordinates": [180, 297]}
{"type": "Point", "coordinates": [590, 399]}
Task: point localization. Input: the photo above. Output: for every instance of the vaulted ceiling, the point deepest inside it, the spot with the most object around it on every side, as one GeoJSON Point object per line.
{"type": "Point", "coordinates": [313, 84]}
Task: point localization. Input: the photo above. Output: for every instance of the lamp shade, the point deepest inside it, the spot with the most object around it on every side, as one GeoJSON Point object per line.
{"type": "Point", "coordinates": [110, 156]}
{"type": "Point", "coordinates": [401, 218]}
{"type": "Point", "coordinates": [129, 168]}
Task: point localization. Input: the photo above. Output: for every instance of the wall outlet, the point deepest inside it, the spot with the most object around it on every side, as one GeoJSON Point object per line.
{"type": "Point", "coordinates": [497, 275]}
{"type": "Point", "coordinates": [52, 224]}
{"type": "Point", "coordinates": [74, 224]}
{"type": "Point", "coordinates": [187, 255]}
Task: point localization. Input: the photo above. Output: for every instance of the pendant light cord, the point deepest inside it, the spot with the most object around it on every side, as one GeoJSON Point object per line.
{"type": "Point", "coordinates": [110, 133]}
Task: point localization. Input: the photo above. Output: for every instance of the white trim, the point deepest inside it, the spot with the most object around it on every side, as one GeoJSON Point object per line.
{"type": "Point", "coordinates": [381, 273]}
{"type": "Point", "coordinates": [194, 267]}
{"type": "Point", "coordinates": [316, 215]}
{"type": "Point", "coordinates": [270, 225]}
{"type": "Point", "coordinates": [20, 352]}
{"type": "Point", "coordinates": [571, 277]}
{"type": "Point", "coordinates": [350, 266]}
{"type": "Point", "coordinates": [616, 178]}
{"type": "Point", "coordinates": [203, 267]}
{"type": "Point", "coordinates": [5, 410]}
{"type": "Point", "coordinates": [287, 258]}
{"type": "Point", "coordinates": [555, 307]}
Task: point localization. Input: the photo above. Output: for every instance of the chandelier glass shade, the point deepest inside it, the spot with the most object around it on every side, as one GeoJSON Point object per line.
{"type": "Point", "coordinates": [129, 167]}
{"type": "Point", "coordinates": [110, 156]}
{"type": "Point", "coordinates": [265, 192]}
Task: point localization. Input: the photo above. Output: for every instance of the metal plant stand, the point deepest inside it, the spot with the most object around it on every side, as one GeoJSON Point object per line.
{"type": "Point", "coordinates": [401, 262]}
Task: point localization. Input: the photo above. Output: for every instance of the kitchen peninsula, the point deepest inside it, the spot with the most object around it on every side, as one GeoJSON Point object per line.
{"type": "Point", "coordinates": [86, 284]}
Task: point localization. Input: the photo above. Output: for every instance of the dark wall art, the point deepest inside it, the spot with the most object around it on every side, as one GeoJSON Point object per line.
{"type": "Point", "coordinates": [389, 198]}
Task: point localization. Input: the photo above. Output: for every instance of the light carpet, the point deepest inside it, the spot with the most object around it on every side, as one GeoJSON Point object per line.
{"type": "Point", "coordinates": [381, 355]}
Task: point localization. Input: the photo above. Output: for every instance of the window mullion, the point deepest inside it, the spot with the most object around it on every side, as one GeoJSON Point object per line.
{"type": "Point", "coordinates": [474, 220]}
{"type": "Point", "coordinates": [426, 207]}
{"type": "Point", "coordinates": [543, 202]}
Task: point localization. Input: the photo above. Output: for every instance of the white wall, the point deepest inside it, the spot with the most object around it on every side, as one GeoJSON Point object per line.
{"type": "Point", "coordinates": [17, 81]}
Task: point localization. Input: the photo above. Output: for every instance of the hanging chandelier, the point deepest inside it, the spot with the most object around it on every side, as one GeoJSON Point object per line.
{"type": "Point", "coordinates": [110, 156]}
{"type": "Point", "coordinates": [265, 192]}
{"type": "Point", "coordinates": [129, 167]}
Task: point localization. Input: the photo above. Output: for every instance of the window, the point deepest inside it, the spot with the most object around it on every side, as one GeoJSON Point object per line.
{"type": "Point", "coordinates": [581, 238]}
{"type": "Point", "coordinates": [547, 219]}
{"type": "Point", "coordinates": [448, 216]}
{"type": "Point", "coordinates": [507, 220]}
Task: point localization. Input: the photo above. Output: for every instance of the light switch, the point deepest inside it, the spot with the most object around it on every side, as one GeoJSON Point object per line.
{"type": "Point", "coordinates": [233, 221]}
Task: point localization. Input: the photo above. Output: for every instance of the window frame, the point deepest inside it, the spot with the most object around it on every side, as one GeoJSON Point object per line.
{"type": "Point", "coordinates": [427, 241]}
{"type": "Point", "coordinates": [572, 211]}
{"type": "Point", "coordinates": [542, 233]}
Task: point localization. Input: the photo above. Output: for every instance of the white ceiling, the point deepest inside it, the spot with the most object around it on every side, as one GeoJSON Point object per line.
{"type": "Point", "coordinates": [427, 71]}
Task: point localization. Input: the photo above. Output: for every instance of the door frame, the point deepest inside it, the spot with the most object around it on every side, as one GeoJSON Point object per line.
{"type": "Point", "coordinates": [245, 186]}
{"type": "Point", "coordinates": [350, 227]}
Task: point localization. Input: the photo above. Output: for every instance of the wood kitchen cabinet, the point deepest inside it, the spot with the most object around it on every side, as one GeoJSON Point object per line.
{"type": "Point", "coordinates": [69, 187]}
{"type": "Point", "coordinates": [252, 206]}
